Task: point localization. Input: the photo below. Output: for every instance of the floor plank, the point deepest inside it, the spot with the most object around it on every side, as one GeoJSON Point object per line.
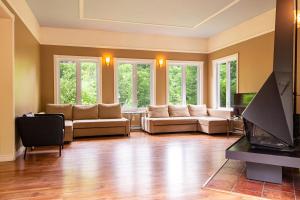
{"type": "Point", "coordinates": [169, 166]}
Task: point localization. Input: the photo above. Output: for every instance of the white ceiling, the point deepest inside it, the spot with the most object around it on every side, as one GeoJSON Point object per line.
{"type": "Point", "coordinates": [194, 18]}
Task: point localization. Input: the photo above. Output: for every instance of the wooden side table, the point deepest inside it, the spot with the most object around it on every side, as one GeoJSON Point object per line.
{"type": "Point", "coordinates": [235, 125]}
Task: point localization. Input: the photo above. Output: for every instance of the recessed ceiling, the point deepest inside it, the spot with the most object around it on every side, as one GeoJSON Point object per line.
{"type": "Point", "coordinates": [194, 18]}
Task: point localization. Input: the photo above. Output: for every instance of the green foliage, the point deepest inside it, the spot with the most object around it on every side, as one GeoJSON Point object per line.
{"type": "Point", "coordinates": [222, 76]}
{"type": "Point", "coordinates": [233, 83]}
{"type": "Point", "coordinates": [125, 84]}
{"type": "Point", "coordinates": [175, 84]}
{"type": "Point", "coordinates": [143, 85]}
{"type": "Point", "coordinates": [126, 74]}
{"type": "Point", "coordinates": [67, 82]}
{"type": "Point", "coordinates": [88, 83]}
{"type": "Point", "coordinates": [223, 80]}
{"type": "Point", "coordinates": [191, 85]}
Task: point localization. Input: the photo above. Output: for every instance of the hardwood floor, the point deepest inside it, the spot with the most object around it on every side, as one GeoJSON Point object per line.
{"type": "Point", "coordinates": [172, 166]}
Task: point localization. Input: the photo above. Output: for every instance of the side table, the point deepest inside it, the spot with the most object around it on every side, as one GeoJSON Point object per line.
{"type": "Point", "coordinates": [235, 125]}
{"type": "Point", "coordinates": [130, 115]}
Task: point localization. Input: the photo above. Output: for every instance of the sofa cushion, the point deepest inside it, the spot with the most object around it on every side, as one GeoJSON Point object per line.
{"type": "Point", "coordinates": [220, 113]}
{"type": "Point", "coordinates": [158, 111]}
{"type": "Point", "coordinates": [178, 111]}
{"type": "Point", "coordinates": [197, 110]}
{"type": "Point", "coordinates": [172, 121]}
{"type": "Point", "coordinates": [85, 112]}
{"type": "Point", "coordinates": [99, 123]}
{"type": "Point", "coordinates": [212, 121]}
{"type": "Point", "coordinates": [65, 109]}
{"type": "Point", "coordinates": [109, 111]}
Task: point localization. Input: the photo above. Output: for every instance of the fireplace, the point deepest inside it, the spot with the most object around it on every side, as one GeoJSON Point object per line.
{"type": "Point", "coordinates": [269, 118]}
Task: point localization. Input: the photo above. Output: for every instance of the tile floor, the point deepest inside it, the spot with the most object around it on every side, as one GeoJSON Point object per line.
{"type": "Point", "coordinates": [232, 178]}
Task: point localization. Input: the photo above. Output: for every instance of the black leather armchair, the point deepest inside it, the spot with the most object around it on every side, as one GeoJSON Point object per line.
{"type": "Point", "coordinates": [41, 130]}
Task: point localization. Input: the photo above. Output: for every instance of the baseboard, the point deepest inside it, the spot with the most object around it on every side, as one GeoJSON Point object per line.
{"type": "Point", "coordinates": [9, 157]}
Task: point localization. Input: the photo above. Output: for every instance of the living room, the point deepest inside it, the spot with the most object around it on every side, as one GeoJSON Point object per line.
{"type": "Point", "coordinates": [150, 102]}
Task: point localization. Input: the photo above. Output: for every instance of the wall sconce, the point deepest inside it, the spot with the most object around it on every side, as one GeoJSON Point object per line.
{"type": "Point", "coordinates": [161, 62]}
{"type": "Point", "coordinates": [107, 60]}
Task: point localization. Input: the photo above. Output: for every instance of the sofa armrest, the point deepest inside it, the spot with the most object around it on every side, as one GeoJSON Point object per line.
{"type": "Point", "coordinates": [226, 114]}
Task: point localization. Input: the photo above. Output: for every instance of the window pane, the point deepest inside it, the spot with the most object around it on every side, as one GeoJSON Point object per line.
{"type": "Point", "coordinates": [191, 85]}
{"type": "Point", "coordinates": [67, 80]}
{"type": "Point", "coordinates": [233, 81]}
{"type": "Point", "coordinates": [143, 85]}
{"type": "Point", "coordinates": [125, 85]}
{"type": "Point", "coordinates": [175, 84]}
{"type": "Point", "coordinates": [89, 84]}
{"type": "Point", "coordinates": [222, 84]}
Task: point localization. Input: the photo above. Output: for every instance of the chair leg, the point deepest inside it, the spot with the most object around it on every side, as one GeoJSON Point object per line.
{"type": "Point", "coordinates": [60, 147]}
{"type": "Point", "coordinates": [25, 153]}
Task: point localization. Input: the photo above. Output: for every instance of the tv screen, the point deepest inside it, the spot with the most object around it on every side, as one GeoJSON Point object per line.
{"type": "Point", "coordinates": [243, 99]}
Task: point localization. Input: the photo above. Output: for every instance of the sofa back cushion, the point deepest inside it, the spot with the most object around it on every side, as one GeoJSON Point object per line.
{"type": "Point", "coordinates": [178, 111]}
{"type": "Point", "coordinates": [158, 111]}
{"type": "Point", "coordinates": [85, 112]}
{"type": "Point", "coordinates": [65, 109]}
{"type": "Point", "coordinates": [109, 111]}
{"type": "Point", "coordinates": [198, 110]}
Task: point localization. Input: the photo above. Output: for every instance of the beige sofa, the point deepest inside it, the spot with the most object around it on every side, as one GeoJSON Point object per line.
{"type": "Point", "coordinates": [192, 118]}
{"type": "Point", "coordinates": [91, 120]}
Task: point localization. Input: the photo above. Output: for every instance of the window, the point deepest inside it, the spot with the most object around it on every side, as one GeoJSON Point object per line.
{"type": "Point", "coordinates": [225, 81]}
{"type": "Point", "coordinates": [77, 80]}
{"type": "Point", "coordinates": [134, 83]}
{"type": "Point", "coordinates": [184, 82]}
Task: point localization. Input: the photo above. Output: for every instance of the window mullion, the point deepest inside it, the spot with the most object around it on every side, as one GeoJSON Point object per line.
{"type": "Point", "coordinates": [78, 82]}
{"type": "Point", "coordinates": [218, 86]}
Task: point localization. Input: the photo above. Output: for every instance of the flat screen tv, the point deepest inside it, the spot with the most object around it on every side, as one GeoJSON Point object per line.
{"type": "Point", "coordinates": [241, 101]}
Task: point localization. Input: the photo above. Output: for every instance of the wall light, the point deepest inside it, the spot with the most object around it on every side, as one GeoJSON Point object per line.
{"type": "Point", "coordinates": [161, 62]}
{"type": "Point", "coordinates": [107, 60]}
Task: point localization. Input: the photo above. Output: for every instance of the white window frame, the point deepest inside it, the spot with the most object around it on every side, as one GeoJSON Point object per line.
{"type": "Point", "coordinates": [216, 93]}
{"type": "Point", "coordinates": [77, 60]}
{"type": "Point", "coordinates": [200, 79]}
{"type": "Point", "coordinates": [135, 62]}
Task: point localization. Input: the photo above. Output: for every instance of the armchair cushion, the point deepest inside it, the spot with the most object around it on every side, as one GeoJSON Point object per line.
{"type": "Point", "coordinates": [65, 109]}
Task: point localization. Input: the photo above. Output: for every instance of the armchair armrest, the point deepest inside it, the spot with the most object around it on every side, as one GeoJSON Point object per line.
{"type": "Point", "coordinates": [226, 114]}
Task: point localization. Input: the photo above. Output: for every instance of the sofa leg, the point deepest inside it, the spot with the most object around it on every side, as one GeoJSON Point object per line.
{"type": "Point", "coordinates": [25, 151]}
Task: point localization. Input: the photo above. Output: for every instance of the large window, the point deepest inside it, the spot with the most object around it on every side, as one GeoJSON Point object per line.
{"type": "Point", "coordinates": [134, 83]}
{"type": "Point", "coordinates": [77, 80]}
{"type": "Point", "coordinates": [184, 82]}
{"type": "Point", "coordinates": [225, 81]}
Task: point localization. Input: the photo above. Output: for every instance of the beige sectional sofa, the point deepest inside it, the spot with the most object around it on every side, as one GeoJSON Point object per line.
{"type": "Point", "coordinates": [192, 118]}
{"type": "Point", "coordinates": [91, 120]}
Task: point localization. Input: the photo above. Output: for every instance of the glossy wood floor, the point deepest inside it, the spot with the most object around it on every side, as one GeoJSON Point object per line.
{"type": "Point", "coordinates": [173, 166]}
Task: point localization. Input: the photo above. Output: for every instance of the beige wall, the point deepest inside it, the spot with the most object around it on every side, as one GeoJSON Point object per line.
{"type": "Point", "coordinates": [27, 70]}
{"type": "Point", "coordinates": [7, 128]}
{"type": "Point", "coordinates": [255, 62]}
{"type": "Point", "coordinates": [47, 68]}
